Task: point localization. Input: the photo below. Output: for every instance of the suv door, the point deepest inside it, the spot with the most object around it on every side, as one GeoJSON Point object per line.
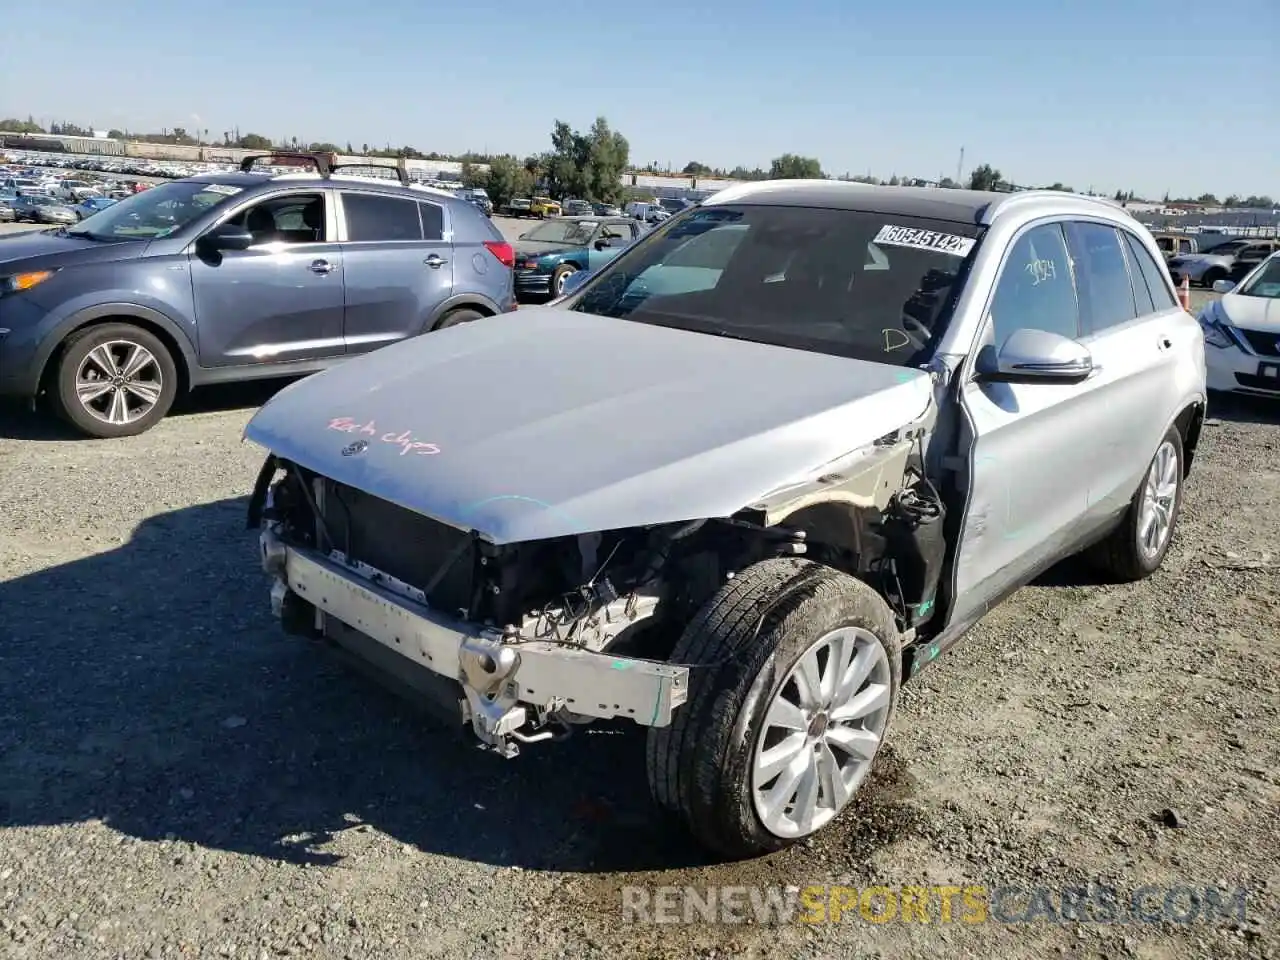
{"type": "Point", "coordinates": [1035, 457]}
{"type": "Point", "coordinates": [279, 300]}
{"type": "Point", "coordinates": [398, 266]}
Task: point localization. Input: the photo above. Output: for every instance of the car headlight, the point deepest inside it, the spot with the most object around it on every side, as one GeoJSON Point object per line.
{"type": "Point", "coordinates": [1215, 334]}
{"type": "Point", "coordinates": [19, 282]}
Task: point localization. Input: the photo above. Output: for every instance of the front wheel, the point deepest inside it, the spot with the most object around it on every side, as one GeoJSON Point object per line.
{"type": "Point", "coordinates": [795, 672]}
{"type": "Point", "coordinates": [114, 380]}
{"type": "Point", "coordinates": [1212, 276]}
{"type": "Point", "coordinates": [559, 278]}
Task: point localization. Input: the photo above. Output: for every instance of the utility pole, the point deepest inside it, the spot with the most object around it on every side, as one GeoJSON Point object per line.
{"type": "Point", "coordinates": [960, 167]}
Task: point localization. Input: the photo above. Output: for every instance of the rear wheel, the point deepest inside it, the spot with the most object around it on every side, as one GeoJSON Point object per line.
{"type": "Point", "coordinates": [455, 317]}
{"type": "Point", "coordinates": [114, 380]}
{"type": "Point", "coordinates": [794, 682]}
{"type": "Point", "coordinates": [1212, 276]}
{"type": "Point", "coordinates": [1136, 548]}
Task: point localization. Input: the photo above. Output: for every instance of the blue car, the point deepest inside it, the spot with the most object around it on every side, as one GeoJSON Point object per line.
{"type": "Point", "coordinates": [553, 251]}
{"type": "Point", "coordinates": [91, 205]}
{"type": "Point", "coordinates": [235, 276]}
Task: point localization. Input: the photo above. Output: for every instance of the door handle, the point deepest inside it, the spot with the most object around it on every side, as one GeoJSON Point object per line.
{"type": "Point", "coordinates": [435, 261]}
{"type": "Point", "coordinates": [321, 266]}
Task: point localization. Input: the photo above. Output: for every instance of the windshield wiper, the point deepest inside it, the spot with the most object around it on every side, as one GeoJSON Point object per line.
{"type": "Point", "coordinates": [85, 235]}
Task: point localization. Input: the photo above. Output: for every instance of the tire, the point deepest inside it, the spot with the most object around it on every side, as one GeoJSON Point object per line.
{"type": "Point", "coordinates": [743, 646]}
{"type": "Point", "coordinates": [1122, 556]}
{"type": "Point", "coordinates": [158, 376]}
{"type": "Point", "coordinates": [455, 317]}
{"type": "Point", "coordinates": [1212, 276]}
{"type": "Point", "coordinates": [562, 273]}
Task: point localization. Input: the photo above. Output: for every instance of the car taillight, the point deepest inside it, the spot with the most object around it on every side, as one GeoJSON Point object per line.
{"type": "Point", "coordinates": [504, 252]}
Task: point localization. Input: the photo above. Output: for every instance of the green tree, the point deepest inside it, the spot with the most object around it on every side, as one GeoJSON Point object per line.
{"type": "Point", "coordinates": [587, 165]}
{"type": "Point", "coordinates": [506, 178]}
{"type": "Point", "coordinates": [115, 134]}
{"type": "Point", "coordinates": [14, 125]}
{"type": "Point", "coordinates": [695, 169]}
{"type": "Point", "coordinates": [791, 166]}
{"type": "Point", "coordinates": [253, 141]}
{"type": "Point", "coordinates": [984, 177]}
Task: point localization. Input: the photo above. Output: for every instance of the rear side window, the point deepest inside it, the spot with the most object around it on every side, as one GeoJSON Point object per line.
{"type": "Point", "coordinates": [432, 221]}
{"type": "Point", "coordinates": [371, 217]}
{"type": "Point", "coordinates": [1141, 295]}
{"type": "Point", "coordinates": [1152, 275]}
{"type": "Point", "coordinates": [1107, 297]}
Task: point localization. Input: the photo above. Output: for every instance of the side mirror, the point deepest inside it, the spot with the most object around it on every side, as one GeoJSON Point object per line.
{"type": "Point", "coordinates": [228, 236]}
{"type": "Point", "coordinates": [574, 281]}
{"type": "Point", "coordinates": [1223, 286]}
{"type": "Point", "coordinates": [1035, 356]}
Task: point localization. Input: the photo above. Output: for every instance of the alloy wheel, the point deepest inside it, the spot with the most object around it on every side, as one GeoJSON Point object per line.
{"type": "Point", "coordinates": [1159, 497]}
{"type": "Point", "coordinates": [119, 382]}
{"type": "Point", "coordinates": [821, 732]}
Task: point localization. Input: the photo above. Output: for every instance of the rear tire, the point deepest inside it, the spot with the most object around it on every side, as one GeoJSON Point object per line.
{"type": "Point", "coordinates": [750, 710]}
{"type": "Point", "coordinates": [113, 380]}
{"type": "Point", "coordinates": [1212, 276]}
{"type": "Point", "coordinates": [455, 317]}
{"type": "Point", "coordinates": [1129, 553]}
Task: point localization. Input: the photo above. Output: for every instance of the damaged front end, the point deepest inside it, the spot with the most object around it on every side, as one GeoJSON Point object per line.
{"type": "Point", "coordinates": [523, 641]}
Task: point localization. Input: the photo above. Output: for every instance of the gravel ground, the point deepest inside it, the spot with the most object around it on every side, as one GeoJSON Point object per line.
{"type": "Point", "coordinates": [178, 779]}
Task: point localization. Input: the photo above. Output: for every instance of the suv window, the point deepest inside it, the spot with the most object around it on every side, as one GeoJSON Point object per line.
{"type": "Point", "coordinates": [1036, 289]}
{"type": "Point", "coordinates": [1107, 295]}
{"type": "Point", "coordinates": [1152, 275]}
{"type": "Point", "coordinates": [372, 217]}
{"type": "Point", "coordinates": [295, 218]}
{"type": "Point", "coordinates": [432, 221]}
{"type": "Point", "coordinates": [784, 276]}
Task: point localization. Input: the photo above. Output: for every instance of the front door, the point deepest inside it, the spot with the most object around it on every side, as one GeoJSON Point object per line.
{"type": "Point", "coordinates": [399, 267]}
{"type": "Point", "coordinates": [617, 236]}
{"type": "Point", "coordinates": [279, 300]}
{"type": "Point", "coordinates": [1034, 464]}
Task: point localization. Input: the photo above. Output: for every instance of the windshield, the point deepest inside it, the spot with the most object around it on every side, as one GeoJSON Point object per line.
{"type": "Point", "coordinates": [157, 212]}
{"type": "Point", "coordinates": [562, 231]}
{"type": "Point", "coordinates": [871, 286]}
{"type": "Point", "coordinates": [1265, 282]}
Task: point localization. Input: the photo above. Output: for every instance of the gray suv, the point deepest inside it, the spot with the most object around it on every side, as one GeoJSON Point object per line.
{"type": "Point", "coordinates": [235, 276]}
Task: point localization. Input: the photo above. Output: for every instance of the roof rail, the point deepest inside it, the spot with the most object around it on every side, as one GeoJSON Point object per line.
{"type": "Point", "coordinates": [1024, 196]}
{"type": "Point", "coordinates": [284, 158]}
{"type": "Point", "coordinates": [401, 174]}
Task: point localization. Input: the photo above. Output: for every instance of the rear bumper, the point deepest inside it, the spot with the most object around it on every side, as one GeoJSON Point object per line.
{"type": "Point", "coordinates": [528, 282]}
{"type": "Point", "coordinates": [499, 686]}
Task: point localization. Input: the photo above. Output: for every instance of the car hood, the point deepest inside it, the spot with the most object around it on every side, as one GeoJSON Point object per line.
{"type": "Point", "coordinates": [1251, 313]}
{"type": "Point", "coordinates": [51, 248]}
{"type": "Point", "coordinates": [543, 248]}
{"type": "Point", "coordinates": [547, 422]}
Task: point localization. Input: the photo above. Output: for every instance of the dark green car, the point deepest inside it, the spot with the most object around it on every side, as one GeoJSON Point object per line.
{"type": "Point", "coordinates": [551, 252]}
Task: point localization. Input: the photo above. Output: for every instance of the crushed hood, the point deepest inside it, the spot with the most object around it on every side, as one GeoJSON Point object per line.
{"type": "Point", "coordinates": [546, 422]}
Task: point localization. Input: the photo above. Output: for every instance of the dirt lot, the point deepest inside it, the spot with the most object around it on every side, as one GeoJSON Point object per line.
{"type": "Point", "coordinates": [178, 779]}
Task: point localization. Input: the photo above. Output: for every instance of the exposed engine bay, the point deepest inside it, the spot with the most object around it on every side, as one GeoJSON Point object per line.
{"type": "Point", "coordinates": [603, 607]}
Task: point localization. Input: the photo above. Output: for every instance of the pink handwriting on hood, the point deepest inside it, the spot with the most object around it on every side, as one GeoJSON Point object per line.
{"type": "Point", "coordinates": [406, 441]}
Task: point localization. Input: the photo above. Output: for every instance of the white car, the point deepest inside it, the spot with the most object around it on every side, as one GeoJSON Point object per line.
{"type": "Point", "coordinates": [1242, 333]}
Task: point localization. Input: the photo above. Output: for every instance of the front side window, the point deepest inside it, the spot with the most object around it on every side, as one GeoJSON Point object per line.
{"type": "Point", "coordinates": [1036, 289]}
{"type": "Point", "coordinates": [372, 217]}
{"type": "Point", "coordinates": [290, 219]}
{"type": "Point", "coordinates": [157, 212]}
{"type": "Point", "coordinates": [867, 285]}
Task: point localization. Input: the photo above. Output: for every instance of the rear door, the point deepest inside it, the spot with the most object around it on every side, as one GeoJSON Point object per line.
{"type": "Point", "coordinates": [398, 266]}
{"type": "Point", "coordinates": [1131, 325]}
{"type": "Point", "coordinates": [1035, 462]}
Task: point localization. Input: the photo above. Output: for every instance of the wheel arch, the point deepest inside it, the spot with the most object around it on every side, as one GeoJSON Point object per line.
{"type": "Point", "coordinates": [461, 301]}
{"type": "Point", "coordinates": [152, 321]}
{"type": "Point", "coordinates": [1188, 424]}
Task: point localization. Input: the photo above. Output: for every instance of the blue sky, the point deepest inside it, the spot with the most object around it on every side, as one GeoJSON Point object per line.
{"type": "Point", "coordinates": [1132, 94]}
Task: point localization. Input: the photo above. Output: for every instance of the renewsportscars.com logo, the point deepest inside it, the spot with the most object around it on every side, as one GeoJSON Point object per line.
{"type": "Point", "coordinates": [971, 904]}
